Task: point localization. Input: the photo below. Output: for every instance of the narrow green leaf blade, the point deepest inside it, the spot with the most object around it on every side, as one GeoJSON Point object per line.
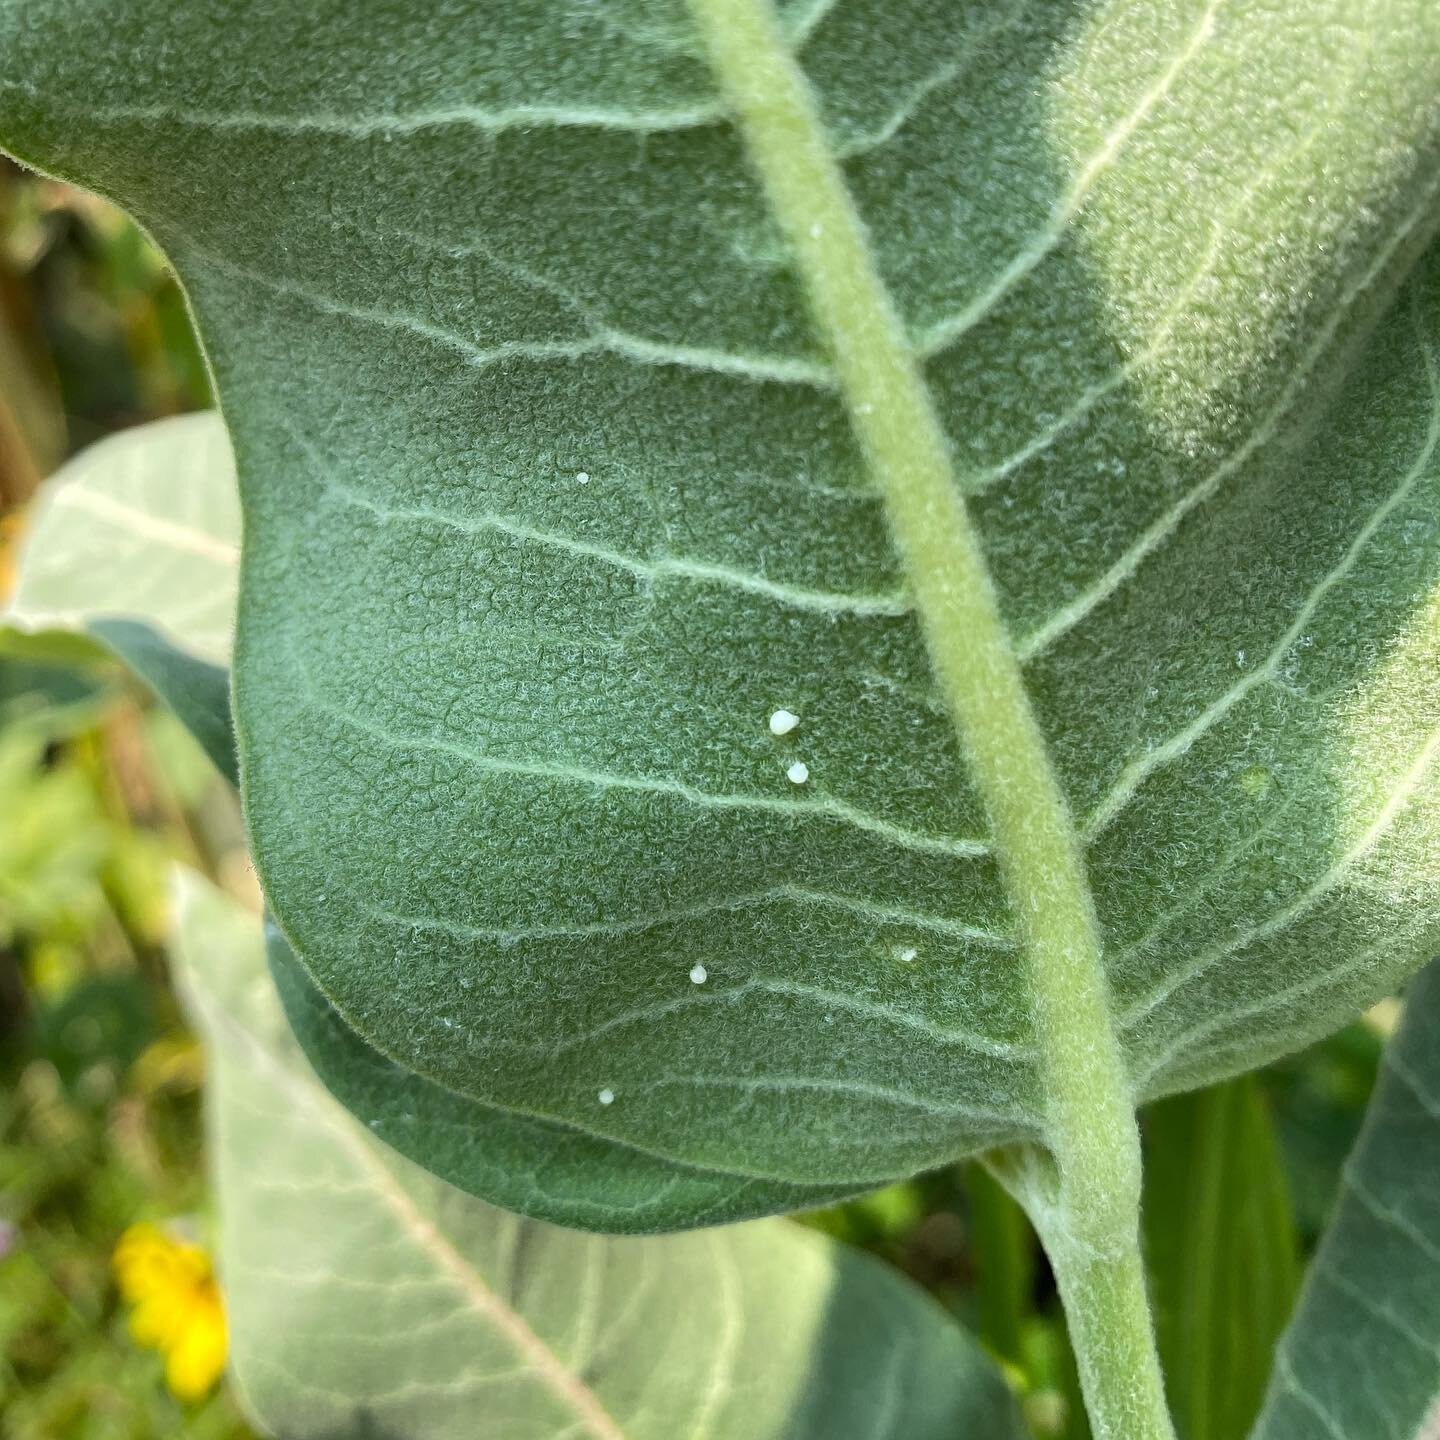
{"type": "Point", "coordinates": [1002, 1247]}
{"type": "Point", "coordinates": [198, 692]}
{"type": "Point", "coordinates": [1362, 1357]}
{"type": "Point", "coordinates": [368, 1298]}
{"type": "Point", "coordinates": [1221, 1252]}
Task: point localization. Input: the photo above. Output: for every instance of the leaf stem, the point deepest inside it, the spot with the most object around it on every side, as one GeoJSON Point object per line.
{"type": "Point", "coordinates": [1093, 1216]}
{"type": "Point", "coordinates": [1108, 1313]}
{"type": "Point", "coordinates": [1106, 1304]}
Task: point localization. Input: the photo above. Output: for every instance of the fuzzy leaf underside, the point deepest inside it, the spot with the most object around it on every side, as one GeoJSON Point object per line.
{"type": "Point", "coordinates": [182, 505]}
{"type": "Point", "coordinates": [550, 501]}
{"type": "Point", "coordinates": [409, 1309]}
{"type": "Point", "coordinates": [1361, 1358]}
{"type": "Point", "coordinates": [529, 1165]}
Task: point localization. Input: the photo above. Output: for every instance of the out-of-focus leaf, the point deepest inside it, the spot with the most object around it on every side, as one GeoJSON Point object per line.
{"type": "Point", "coordinates": [142, 525]}
{"type": "Point", "coordinates": [198, 692]}
{"type": "Point", "coordinates": [57, 696]}
{"type": "Point", "coordinates": [1361, 1359]}
{"type": "Point", "coordinates": [135, 543]}
{"type": "Point", "coordinates": [1223, 1261]}
{"type": "Point", "coordinates": [367, 1298]}
{"type": "Point", "coordinates": [1319, 1098]}
{"type": "Point", "coordinates": [1003, 1250]}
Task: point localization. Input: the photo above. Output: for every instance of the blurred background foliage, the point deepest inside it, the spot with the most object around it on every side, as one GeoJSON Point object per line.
{"type": "Point", "coordinates": [100, 1083]}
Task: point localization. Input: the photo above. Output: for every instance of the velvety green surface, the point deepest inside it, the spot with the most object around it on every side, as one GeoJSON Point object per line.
{"type": "Point", "coordinates": [367, 1298]}
{"type": "Point", "coordinates": [181, 503]}
{"type": "Point", "coordinates": [529, 1165]}
{"type": "Point", "coordinates": [1362, 1357]}
{"type": "Point", "coordinates": [550, 502]}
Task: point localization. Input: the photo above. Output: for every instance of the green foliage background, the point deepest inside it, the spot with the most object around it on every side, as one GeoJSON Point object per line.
{"type": "Point", "coordinates": [99, 1081]}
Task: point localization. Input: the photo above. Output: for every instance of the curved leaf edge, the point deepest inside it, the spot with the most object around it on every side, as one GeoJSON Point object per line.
{"type": "Point", "coordinates": [455, 1137]}
{"type": "Point", "coordinates": [537, 1167]}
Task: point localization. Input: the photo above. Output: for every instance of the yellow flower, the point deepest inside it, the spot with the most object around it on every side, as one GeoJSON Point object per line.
{"type": "Point", "coordinates": [10, 528]}
{"type": "Point", "coordinates": [177, 1308]}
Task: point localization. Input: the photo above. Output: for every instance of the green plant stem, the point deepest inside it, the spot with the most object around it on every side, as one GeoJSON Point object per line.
{"type": "Point", "coordinates": [1108, 1313]}
{"type": "Point", "coordinates": [1107, 1305]}
{"type": "Point", "coordinates": [1091, 1123]}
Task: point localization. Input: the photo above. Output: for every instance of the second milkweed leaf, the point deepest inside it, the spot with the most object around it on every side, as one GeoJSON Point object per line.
{"type": "Point", "coordinates": [365, 1297]}
{"type": "Point", "coordinates": [1362, 1356]}
{"type": "Point", "coordinates": [136, 543]}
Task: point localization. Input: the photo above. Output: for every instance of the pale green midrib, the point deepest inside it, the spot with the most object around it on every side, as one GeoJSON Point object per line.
{"type": "Point", "coordinates": [573, 1389]}
{"type": "Point", "coordinates": [1090, 1115]}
